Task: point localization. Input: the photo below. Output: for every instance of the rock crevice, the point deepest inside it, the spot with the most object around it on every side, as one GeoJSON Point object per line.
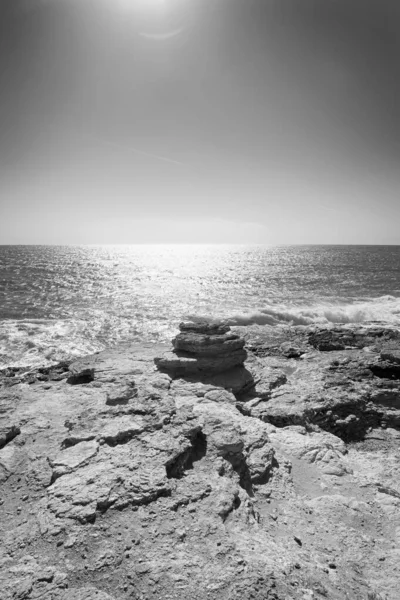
{"type": "Point", "coordinates": [274, 477]}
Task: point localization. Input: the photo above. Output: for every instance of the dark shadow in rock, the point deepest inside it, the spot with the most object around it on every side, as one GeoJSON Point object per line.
{"type": "Point", "coordinates": [386, 371]}
{"type": "Point", "coordinates": [117, 401]}
{"type": "Point", "coordinates": [81, 378]}
{"type": "Point", "coordinates": [8, 434]}
{"type": "Point", "coordinates": [120, 438]}
{"type": "Point", "coordinates": [103, 506]}
{"type": "Point", "coordinates": [81, 371]}
{"type": "Point", "coordinates": [338, 338]}
{"type": "Point", "coordinates": [264, 479]}
{"type": "Point", "coordinates": [236, 503]}
{"type": "Point", "coordinates": [179, 464]}
{"type": "Point", "coordinates": [240, 467]}
{"type": "Point", "coordinates": [237, 380]}
{"type": "Point", "coordinates": [349, 421]}
{"type": "Point", "coordinates": [389, 399]}
{"type": "Point", "coordinates": [91, 520]}
{"type": "Point", "coordinates": [74, 440]}
{"type": "Point", "coordinates": [53, 373]}
{"type": "Point", "coordinates": [263, 387]}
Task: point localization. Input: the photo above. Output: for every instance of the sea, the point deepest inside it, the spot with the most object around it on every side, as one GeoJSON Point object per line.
{"type": "Point", "coordinates": [58, 302]}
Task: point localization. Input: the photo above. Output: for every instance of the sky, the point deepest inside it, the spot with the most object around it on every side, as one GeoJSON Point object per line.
{"type": "Point", "coordinates": [199, 121]}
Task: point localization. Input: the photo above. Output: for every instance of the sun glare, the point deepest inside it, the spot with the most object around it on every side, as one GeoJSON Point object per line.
{"type": "Point", "coordinates": [142, 5]}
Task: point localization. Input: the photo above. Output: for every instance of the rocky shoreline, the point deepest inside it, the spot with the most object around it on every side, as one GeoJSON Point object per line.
{"type": "Point", "coordinates": [263, 466]}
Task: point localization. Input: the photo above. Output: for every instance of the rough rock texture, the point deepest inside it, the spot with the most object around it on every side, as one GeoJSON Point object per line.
{"type": "Point", "coordinates": [342, 391]}
{"type": "Point", "coordinates": [203, 348]}
{"type": "Point", "coordinates": [208, 345]}
{"type": "Point", "coordinates": [120, 482]}
{"type": "Point", "coordinates": [180, 364]}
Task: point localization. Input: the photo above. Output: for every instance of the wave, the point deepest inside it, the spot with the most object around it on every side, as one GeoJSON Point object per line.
{"type": "Point", "coordinates": [385, 309]}
{"type": "Point", "coordinates": [39, 342]}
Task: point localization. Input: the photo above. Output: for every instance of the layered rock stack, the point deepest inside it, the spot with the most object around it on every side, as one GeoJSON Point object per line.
{"type": "Point", "coordinates": [203, 347]}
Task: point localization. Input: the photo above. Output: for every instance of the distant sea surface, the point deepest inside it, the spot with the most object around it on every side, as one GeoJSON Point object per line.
{"type": "Point", "coordinates": [63, 301]}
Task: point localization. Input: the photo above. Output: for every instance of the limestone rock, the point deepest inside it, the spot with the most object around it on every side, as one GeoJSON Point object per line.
{"type": "Point", "coordinates": [96, 487]}
{"type": "Point", "coordinates": [191, 490]}
{"type": "Point", "coordinates": [391, 354]}
{"type": "Point", "coordinates": [85, 593]}
{"type": "Point", "coordinates": [80, 372]}
{"type": "Point", "coordinates": [8, 433]}
{"type": "Point", "coordinates": [266, 380]}
{"type": "Point", "coordinates": [177, 365]}
{"type": "Point", "coordinates": [182, 364]}
{"type": "Point", "coordinates": [121, 429]}
{"type": "Point", "coordinates": [290, 350]}
{"type": "Point", "coordinates": [328, 339]}
{"type": "Point", "coordinates": [207, 345]}
{"type": "Point", "coordinates": [259, 462]}
{"type": "Point", "coordinates": [121, 394]}
{"type": "Point", "coordinates": [237, 380]}
{"type": "Point", "coordinates": [323, 449]}
{"type": "Point", "coordinates": [203, 327]}
{"type": "Point", "coordinates": [203, 348]}
{"type": "Point", "coordinates": [9, 458]}
{"type": "Point", "coordinates": [73, 457]}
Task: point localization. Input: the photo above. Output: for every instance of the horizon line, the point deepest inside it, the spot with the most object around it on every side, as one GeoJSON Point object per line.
{"type": "Point", "coordinates": [97, 244]}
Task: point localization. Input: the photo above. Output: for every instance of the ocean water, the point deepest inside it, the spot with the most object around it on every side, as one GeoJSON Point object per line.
{"type": "Point", "coordinates": [63, 301]}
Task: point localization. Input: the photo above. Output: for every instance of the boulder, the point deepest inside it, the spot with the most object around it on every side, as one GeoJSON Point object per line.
{"type": "Point", "coordinates": [203, 348]}
{"type": "Point", "coordinates": [204, 327]}
{"type": "Point", "coordinates": [80, 372]}
{"type": "Point", "coordinates": [207, 345]}
{"type": "Point", "coordinates": [181, 365]}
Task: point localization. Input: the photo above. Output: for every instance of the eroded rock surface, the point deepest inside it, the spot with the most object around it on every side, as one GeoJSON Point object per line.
{"type": "Point", "coordinates": [203, 348]}
{"type": "Point", "coordinates": [276, 478]}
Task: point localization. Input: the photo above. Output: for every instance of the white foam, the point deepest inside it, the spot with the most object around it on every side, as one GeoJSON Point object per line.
{"type": "Point", "coordinates": [385, 309]}
{"type": "Point", "coordinates": [38, 342]}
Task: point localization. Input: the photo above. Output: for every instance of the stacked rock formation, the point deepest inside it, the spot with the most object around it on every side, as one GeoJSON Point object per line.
{"type": "Point", "coordinates": [203, 347]}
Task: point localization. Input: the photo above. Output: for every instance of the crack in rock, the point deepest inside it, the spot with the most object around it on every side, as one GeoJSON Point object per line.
{"type": "Point", "coordinates": [7, 434]}
{"type": "Point", "coordinates": [177, 466]}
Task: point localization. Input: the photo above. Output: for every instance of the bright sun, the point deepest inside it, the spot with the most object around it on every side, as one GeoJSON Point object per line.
{"type": "Point", "coordinates": [155, 19]}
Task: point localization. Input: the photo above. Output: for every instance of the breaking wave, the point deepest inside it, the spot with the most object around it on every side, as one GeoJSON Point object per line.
{"type": "Point", "coordinates": [41, 342]}
{"type": "Point", "coordinates": [57, 302]}
{"type": "Point", "coordinates": [37, 342]}
{"type": "Point", "coordinates": [385, 309]}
